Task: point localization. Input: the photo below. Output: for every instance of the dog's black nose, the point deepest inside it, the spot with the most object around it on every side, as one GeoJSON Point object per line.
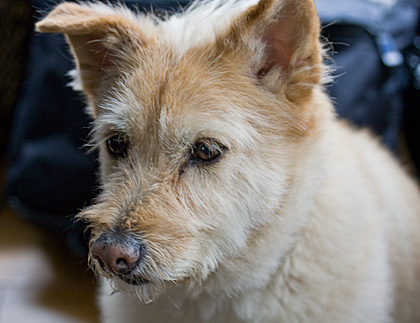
{"type": "Point", "coordinates": [117, 252]}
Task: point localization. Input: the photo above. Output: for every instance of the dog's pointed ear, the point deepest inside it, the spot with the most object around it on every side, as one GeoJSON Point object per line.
{"type": "Point", "coordinates": [96, 35]}
{"type": "Point", "coordinates": [284, 38]}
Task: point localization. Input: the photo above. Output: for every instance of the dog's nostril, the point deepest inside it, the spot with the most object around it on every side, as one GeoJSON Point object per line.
{"type": "Point", "coordinates": [122, 262]}
{"type": "Point", "coordinates": [124, 265]}
{"type": "Point", "coordinates": [101, 263]}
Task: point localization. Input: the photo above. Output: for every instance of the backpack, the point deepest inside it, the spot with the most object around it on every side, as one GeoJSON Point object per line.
{"type": "Point", "coordinates": [369, 38]}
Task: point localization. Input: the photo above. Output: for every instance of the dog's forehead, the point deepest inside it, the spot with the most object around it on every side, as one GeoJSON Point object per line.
{"type": "Point", "coordinates": [180, 98]}
{"type": "Point", "coordinates": [177, 85]}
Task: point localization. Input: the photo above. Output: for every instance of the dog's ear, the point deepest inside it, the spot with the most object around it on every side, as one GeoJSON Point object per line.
{"type": "Point", "coordinates": [284, 38]}
{"type": "Point", "coordinates": [97, 36]}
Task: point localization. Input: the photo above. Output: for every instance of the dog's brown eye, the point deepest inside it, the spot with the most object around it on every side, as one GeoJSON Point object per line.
{"type": "Point", "coordinates": [206, 151]}
{"type": "Point", "coordinates": [117, 146]}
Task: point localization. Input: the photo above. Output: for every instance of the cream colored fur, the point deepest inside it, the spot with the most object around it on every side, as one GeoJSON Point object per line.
{"type": "Point", "coordinates": [302, 219]}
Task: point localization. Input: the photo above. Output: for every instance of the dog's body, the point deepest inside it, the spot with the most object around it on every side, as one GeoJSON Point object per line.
{"type": "Point", "coordinates": [230, 192]}
{"type": "Point", "coordinates": [345, 265]}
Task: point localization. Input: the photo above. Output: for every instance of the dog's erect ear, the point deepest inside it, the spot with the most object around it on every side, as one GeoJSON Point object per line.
{"type": "Point", "coordinates": [96, 35]}
{"type": "Point", "coordinates": [287, 31]}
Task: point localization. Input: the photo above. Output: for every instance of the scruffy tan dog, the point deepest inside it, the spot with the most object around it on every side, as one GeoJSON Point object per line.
{"type": "Point", "coordinates": [230, 192]}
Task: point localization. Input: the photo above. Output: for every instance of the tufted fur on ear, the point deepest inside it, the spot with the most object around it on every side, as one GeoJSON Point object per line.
{"type": "Point", "coordinates": [277, 39]}
{"type": "Point", "coordinates": [101, 38]}
{"type": "Point", "coordinates": [285, 37]}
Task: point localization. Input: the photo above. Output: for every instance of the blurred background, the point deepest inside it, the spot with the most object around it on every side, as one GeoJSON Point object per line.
{"type": "Point", "coordinates": [46, 176]}
{"type": "Point", "coordinates": [40, 279]}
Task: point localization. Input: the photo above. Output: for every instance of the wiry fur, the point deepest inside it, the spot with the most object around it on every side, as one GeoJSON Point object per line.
{"type": "Point", "coordinates": [301, 219]}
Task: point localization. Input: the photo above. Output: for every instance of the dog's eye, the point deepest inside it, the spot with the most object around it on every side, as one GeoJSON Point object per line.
{"type": "Point", "coordinates": [206, 151]}
{"type": "Point", "coordinates": [117, 146]}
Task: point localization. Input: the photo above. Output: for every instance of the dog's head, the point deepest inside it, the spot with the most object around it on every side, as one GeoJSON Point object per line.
{"type": "Point", "coordinates": [199, 119]}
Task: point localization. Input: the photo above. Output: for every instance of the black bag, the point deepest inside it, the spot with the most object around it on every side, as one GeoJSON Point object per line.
{"type": "Point", "coordinates": [51, 177]}
{"type": "Point", "coordinates": [411, 116]}
{"type": "Point", "coordinates": [369, 38]}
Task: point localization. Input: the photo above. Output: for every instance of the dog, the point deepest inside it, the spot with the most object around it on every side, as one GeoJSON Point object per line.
{"type": "Point", "coordinates": [230, 192]}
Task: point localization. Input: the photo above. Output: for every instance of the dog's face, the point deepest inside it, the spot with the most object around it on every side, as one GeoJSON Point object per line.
{"type": "Point", "coordinates": [198, 138]}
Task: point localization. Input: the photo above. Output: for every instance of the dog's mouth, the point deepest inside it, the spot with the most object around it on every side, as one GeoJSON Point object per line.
{"type": "Point", "coordinates": [134, 281]}
{"type": "Point", "coordinates": [129, 279]}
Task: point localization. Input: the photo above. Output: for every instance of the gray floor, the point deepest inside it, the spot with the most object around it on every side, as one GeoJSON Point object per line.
{"type": "Point", "coordinates": [39, 281]}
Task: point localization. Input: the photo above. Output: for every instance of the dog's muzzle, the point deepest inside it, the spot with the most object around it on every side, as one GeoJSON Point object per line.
{"type": "Point", "coordinates": [119, 254]}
